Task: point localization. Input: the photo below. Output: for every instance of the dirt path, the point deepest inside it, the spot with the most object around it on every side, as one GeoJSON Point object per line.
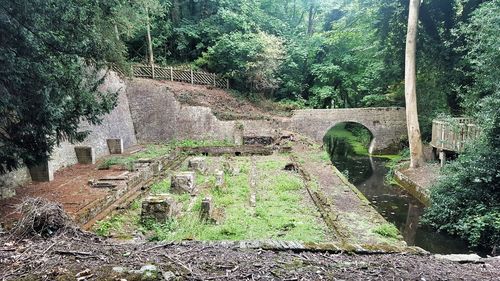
{"type": "Point", "coordinates": [62, 258]}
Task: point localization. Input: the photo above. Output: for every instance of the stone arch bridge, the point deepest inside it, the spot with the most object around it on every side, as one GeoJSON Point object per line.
{"type": "Point", "coordinates": [386, 124]}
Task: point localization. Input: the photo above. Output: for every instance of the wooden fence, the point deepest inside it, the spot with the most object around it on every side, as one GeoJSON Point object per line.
{"type": "Point", "coordinates": [176, 74]}
{"type": "Point", "coordinates": [452, 134]}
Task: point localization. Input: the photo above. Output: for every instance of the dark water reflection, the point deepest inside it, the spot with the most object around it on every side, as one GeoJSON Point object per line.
{"type": "Point", "coordinates": [396, 205]}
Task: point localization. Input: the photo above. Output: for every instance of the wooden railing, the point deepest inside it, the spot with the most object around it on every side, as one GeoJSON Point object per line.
{"type": "Point", "coordinates": [452, 134]}
{"type": "Point", "coordinates": [176, 74]}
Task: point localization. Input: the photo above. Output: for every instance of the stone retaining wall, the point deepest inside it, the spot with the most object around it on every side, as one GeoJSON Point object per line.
{"type": "Point", "coordinates": [117, 124]}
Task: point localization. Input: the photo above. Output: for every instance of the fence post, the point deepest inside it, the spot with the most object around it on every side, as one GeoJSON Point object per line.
{"type": "Point", "coordinates": [214, 80]}
{"type": "Point", "coordinates": [153, 71]}
{"type": "Point", "coordinates": [192, 78]}
{"type": "Point", "coordinates": [132, 70]}
{"type": "Point", "coordinates": [171, 74]}
{"type": "Point", "coordinates": [227, 83]}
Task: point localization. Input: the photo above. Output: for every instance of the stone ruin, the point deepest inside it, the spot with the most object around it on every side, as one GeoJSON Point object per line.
{"type": "Point", "coordinates": [183, 182]}
{"type": "Point", "coordinates": [219, 179]}
{"type": "Point", "coordinates": [210, 214]}
{"type": "Point", "coordinates": [159, 208]}
{"type": "Point", "coordinates": [198, 164]}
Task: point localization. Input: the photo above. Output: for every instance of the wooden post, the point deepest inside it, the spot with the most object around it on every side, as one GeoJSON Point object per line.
{"type": "Point", "coordinates": [214, 80]}
{"type": "Point", "coordinates": [192, 78]}
{"type": "Point", "coordinates": [442, 157]}
{"type": "Point", "coordinates": [171, 74]}
{"type": "Point", "coordinates": [227, 83]}
{"type": "Point", "coordinates": [132, 70]}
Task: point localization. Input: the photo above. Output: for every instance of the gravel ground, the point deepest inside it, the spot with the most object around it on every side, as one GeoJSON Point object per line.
{"type": "Point", "coordinates": [85, 256]}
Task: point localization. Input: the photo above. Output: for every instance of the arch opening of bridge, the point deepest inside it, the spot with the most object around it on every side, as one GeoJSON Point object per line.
{"type": "Point", "coordinates": [348, 138]}
{"type": "Point", "coordinates": [386, 124]}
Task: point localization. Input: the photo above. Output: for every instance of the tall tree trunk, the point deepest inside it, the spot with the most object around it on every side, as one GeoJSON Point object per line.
{"type": "Point", "coordinates": [310, 22]}
{"type": "Point", "coordinates": [117, 33]}
{"type": "Point", "coordinates": [150, 45]}
{"type": "Point", "coordinates": [416, 154]}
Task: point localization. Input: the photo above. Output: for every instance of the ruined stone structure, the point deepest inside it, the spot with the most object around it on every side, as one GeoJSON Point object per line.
{"type": "Point", "coordinates": [147, 111]}
{"type": "Point", "coordinates": [386, 124]}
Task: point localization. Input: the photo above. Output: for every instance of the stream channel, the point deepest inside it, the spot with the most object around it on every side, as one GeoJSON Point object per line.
{"type": "Point", "coordinates": [397, 206]}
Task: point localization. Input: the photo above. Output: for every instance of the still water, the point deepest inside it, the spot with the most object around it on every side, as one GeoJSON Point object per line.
{"type": "Point", "coordinates": [397, 206]}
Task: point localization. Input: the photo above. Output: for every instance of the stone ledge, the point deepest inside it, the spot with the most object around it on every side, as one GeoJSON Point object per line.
{"type": "Point", "coordinates": [332, 247]}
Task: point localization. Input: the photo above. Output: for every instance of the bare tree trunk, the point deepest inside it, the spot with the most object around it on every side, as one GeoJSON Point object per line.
{"type": "Point", "coordinates": [117, 33]}
{"type": "Point", "coordinates": [150, 45]}
{"type": "Point", "coordinates": [310, 22]}
{"type": "Point", "coordinates": [416, 154]}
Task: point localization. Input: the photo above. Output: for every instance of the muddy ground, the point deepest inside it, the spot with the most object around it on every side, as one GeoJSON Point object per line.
{"type": "Point", "coordinates": [88, 257]}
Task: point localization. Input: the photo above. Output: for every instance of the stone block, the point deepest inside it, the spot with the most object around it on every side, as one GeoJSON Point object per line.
{"type": "Point", "coordinates": [115, 146]}
{"type": "Point", "coordinates": [159, 208]}
{"type": "Point", "coordinates": [42, 172]}
{"type": "Point", "coordinates": [183, 182]}
{"type": "Point", "coordinates": [198, 164]}
{"type": "Point", "coordinates": [219, 179]}
{"type": "Point", "coordinates": [7, 192]}
{"type": "Point", "coordinates": [85, 154]}
{"type": "Point", "coordinates": [206, 209]}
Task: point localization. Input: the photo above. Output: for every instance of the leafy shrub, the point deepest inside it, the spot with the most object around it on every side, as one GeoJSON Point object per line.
{"type": "Point", "coordinates": [466, 200]}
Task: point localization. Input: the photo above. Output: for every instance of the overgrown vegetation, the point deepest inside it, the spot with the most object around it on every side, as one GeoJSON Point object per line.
{"type": "Point", "coordinates": [388, 230]}
{"type": "Point", "coordinates": [466, 200]}
{"type": "Point", "coordinates": [280, 211]}
{"type": "Point", "coordinates": [153, 151]}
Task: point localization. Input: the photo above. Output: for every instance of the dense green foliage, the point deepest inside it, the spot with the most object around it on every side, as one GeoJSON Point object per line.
{"type": "Point", "coordinates": [466, 201]}
{"type": "Point", "coordinates": [317, 53]}
{"type": "Point", "coordinates": [49, 53]}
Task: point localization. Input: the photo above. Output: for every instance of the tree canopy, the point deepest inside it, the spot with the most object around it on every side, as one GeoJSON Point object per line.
{"type": "Point", "coordinates": [50, 51]}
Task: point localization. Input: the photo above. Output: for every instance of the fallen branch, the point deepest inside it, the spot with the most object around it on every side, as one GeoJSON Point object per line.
{"type": "Point", "coordinates": [74, 253]}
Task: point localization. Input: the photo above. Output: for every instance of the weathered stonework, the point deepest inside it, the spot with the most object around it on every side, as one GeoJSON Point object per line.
{"type": "Point", "coordinates": [386, 124]}
{"type": "Point", "coordinates": [206, 209]}
{"type": "Point", "coordinates": [219, 179]}
{"type": "Point", "coordinates": [117, 124]}
{"type": "Point", "coordinates": [159, 208]}
{"type": "Point", "coordinates": [85, 154]}
{"type": "Point", "coordinates": [158, 116]}
{"type": "Point", "coordinates": [198, 164]}
{"type": "Point", "coordinates": [183, 182]}
{"type": "Point", "coordinates": [115, 146]}
{"type": "Point", "coordinates": [10, 181]}
{"type": "Point", "coordinates": [42, 172]}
